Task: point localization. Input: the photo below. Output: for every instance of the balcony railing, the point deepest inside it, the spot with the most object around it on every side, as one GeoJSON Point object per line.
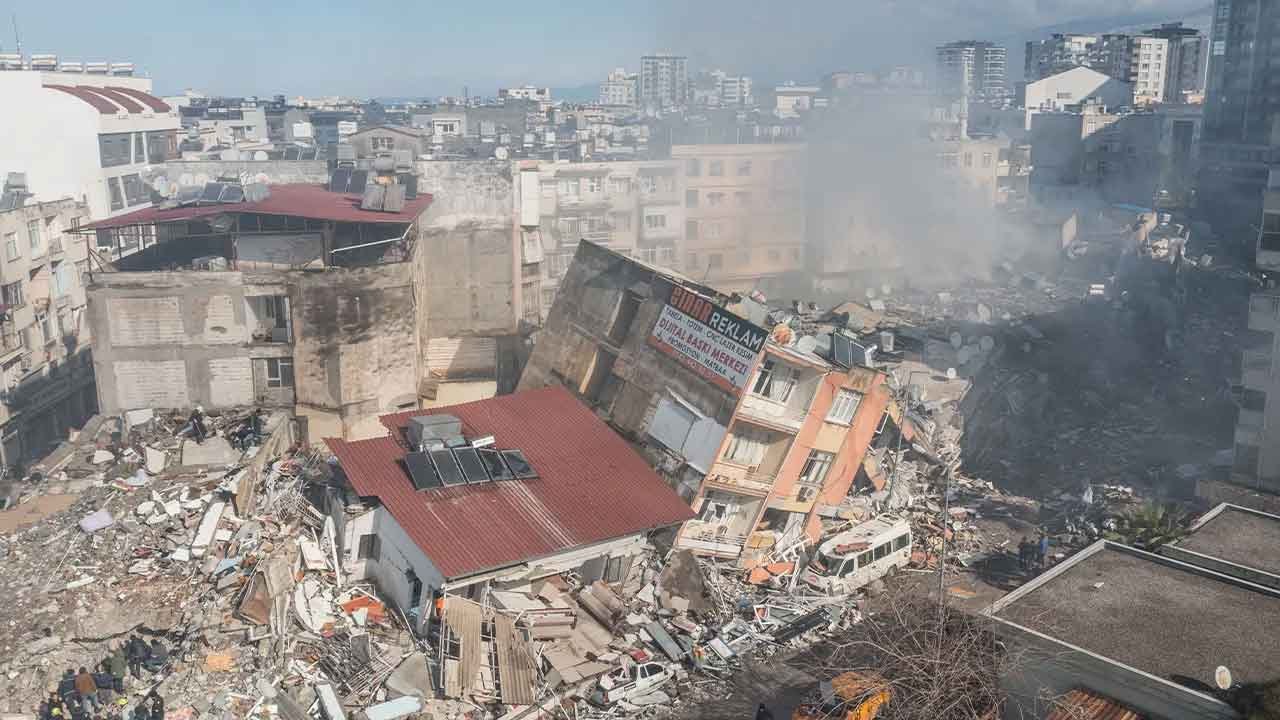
{"type": "Point", "coordinates": [1256, 369]}
{"type": "Point", "coordinates": [704, 537]}
{"type": "Point", "coordinates": [770, 412]}
{"type": "Point", "coordinates": [741, 479]}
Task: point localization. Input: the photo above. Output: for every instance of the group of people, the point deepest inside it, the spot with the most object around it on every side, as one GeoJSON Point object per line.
{"type": "Point", "coordinates": [246, 435]}
{"type": "Point", "coordinates": [86, 695]}
{"type": "Point", "coordinates": [1033, 555]}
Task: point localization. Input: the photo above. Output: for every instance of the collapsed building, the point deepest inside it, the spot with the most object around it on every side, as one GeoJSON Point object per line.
{"type": "Point", "coordinates": [762, 432]}
{"type": "Point", "coordinates": [340, 302]}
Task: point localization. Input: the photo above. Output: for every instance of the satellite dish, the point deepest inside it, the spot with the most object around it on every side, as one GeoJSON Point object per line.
{"type": "Point", "coordinates": [951, 373]}
{"type": "Point", "coordinates": [1222, 678]}
{"type": "Point", "coordinates": [501, 153]}
{"type": "Point", "coordinates": [259, 155]}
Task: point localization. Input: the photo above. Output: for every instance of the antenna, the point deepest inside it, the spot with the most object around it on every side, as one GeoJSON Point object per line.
{"type": "Point", "coordinates": [17, 39]}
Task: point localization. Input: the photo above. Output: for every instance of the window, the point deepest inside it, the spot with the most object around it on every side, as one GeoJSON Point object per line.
{"type": "Point", "coordinates": [691, 198]}
{"type": "Point", "coordinates": [716, 168]}
{"type": "Point", "coordinates": [158, 147]}
{"type": "Point", "coordinates": [746, 446]}
{"type": "Point", "coordinates": [901, 542]}
{"type": "Point", "coordinates": [715, 199]}
{"type": "Point", "coordinates": [569, 188]}
{"type": "Point", "coordinates": [113, 149]}
{"type": "Point", "coordinates": [620, 186]}
{"type": "Point", "coordinates": [62, 279]}
{"type": "Point", "coordinates": [117, 197]}
{"type": "Point", "coordinates": [279, 372]}
{"type": "Point", "coordinates": [968, 159]}
{"type": "Point", "coordinates": [591, 185]}
{"type": "Point", "coordinates": [864, 559]}
{"type": "Point", "coordinates": [33, 236]}
{"type": "Point", "coordinates": [139, 148]}
{"type": "Point", "coordinates": [655, 222]}
{"type": "Point", "coordinates": [369, 547]}
{"type": "Point", "coordinates": [691, 229]}
{"type": "Point", "coordinates": [844, 406]}
{"type": "Point", "coordinates": [135, 192]}
{"type": "Point", "coordinates": [628, 306]}
{"type": "Point", "coordinates": [693, 167]}
{"type": "Point", "coordinates": [11, 246]}
{"type": "Point", "coordinates": [11, 295]}
{"type": "Point", "coordinates": [816, 467]}
{"type": "Point", "coordinates": [742, 198]}
{"type": "Point", "coordinates": [744, 168]}
{"type": "Point", "coordinates": [693, 260]}
{"type": "Point", "coordinates": [648, 184]}
{"type": "Point", "coordinates": [46, 328]}
{"type": "Point", "coordinates": [774, 380]}
{"type": "Point", "coordinates": [715, 261]}
{"type": "Point", "coordinates": [713, 229]}
{"type": "Point", "coordinates": [880, 551]}
{"type": "Point", "coordinates": [620, 221]}
{"type": "Point", "coordinates": [986, 160]}
{"type": "Point", "coordinates": [613, 569]}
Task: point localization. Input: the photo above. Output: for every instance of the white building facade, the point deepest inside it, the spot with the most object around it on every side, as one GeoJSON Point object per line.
{"type": "Point", "coordinates": [91, 137]}
{"type": "Point", "coordinates": [619, 88]}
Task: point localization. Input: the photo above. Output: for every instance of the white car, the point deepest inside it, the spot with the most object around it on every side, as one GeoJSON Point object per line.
{"type": "Point", "coordinates": [633, 680]}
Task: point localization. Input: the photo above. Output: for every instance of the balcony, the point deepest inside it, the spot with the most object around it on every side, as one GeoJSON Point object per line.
{"type": "Point", "coordinates": [710, 538]}
{"type": "Point", "coordinates": [1256, 369]}
{"type": "Point", "coordinates": [1264, 312]}
{"type": "Point", "coordinates": [55, 247]}
{"type": "Point", "coordinates": [770, 413]}
{"type": "Point", "coordinates": [740, 479]}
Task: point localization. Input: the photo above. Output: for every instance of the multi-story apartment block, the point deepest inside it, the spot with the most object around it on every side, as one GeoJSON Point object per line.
{"type": "Point", "coordinates": [1148, 69]}
{"type": "Point", "coordinates": [44, 335]}
{"type": "Point", "coordinates": [761, 434]}
{"type": "Point", "coordinates": [973, 67]}
{"type": "Point", "coordinates": [664, 81]}
{"type": "Point", "coordinates": [1160, 64]}
{"type": "Point", "coordinates": [1059, 53]}
{"type": "Point", "coordinates": [744, 212]}
{"type": "Point", "coordinates": [1257, 436]}
{"type": "Point", "coordinates": [1188, 56]}
{"type": "Point", "coordinates": [630, 207]}
{"type": "Point", "coordinates": [87, 132]}
{"type": "Point", "coordinates": [620, 88]}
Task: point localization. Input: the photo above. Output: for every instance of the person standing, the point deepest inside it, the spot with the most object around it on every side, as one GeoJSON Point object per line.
{"type": "Point", "coordinates": [117, 665]}
{"type": "Point", "coordinates": [136, 653]}
{"type": "Point", "coordinates": [1043, 550]}
{"type": "Point", "coordinates": [87, 689]}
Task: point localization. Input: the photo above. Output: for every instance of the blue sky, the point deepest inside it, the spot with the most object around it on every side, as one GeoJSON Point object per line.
{"type": "Point", "coordinates": [414, 48]}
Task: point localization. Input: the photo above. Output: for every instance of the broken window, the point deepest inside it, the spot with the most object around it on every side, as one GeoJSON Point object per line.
{"type": "Point", "coordinates": [844, 407]}
{"type": "Point", "coordinates": [816, 467]}
{"type": "Point", "coordinates": [775, 381]}
{"type": "Point", "coordinates": [369, 547]}
{"type": "Point", "coordinates": [279, 372]}
{"type": "Point", "coordinates": [623, 317]}
{"type": "Point", "coordinates": [593, 383]}
{"type": "Point", "coordinates": [11, 294]}
{"type": "Point", "coordinates": [613, 569]}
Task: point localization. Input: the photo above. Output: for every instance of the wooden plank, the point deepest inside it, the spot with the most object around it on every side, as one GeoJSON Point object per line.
{"type": "Point", "coordinates": [516, 674]}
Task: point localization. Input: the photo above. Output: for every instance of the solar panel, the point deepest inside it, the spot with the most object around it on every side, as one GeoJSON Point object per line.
{"type": "Point", "coordinates": [519, 464]}
{"type": "Point", "coordinates": [188, 194]}
{"type": "Point", "coordinates": [212, 191]}
{"type": "Point", "coordinates": [338, 182]}
{"type": "Point", "coordinates": [842, 350]}
{"type": "Point", "coordinates": [492, 460]}
{"type": "Point", "coordinates": [359, 178]}
{"type": "Point", "coordinates": [447, 468]}
{"type": "Point", "coordinates": [421, 472]}
{"type": "Point", "coordinates": [472, 466]}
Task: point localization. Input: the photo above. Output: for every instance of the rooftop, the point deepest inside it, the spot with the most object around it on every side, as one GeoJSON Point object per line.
{"type": "Point", "coordinates": [110, 99]}
{"type": "Point", "coordinates": [591, 486]}
{"type": "Point", "coordinates": [315, 202]}
{"type": "Point", "coordinates": [1238, 535]}
{"type": "Point", "coordinates": [1157, 615]}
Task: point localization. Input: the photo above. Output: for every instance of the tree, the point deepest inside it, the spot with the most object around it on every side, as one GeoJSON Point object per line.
{"type": "Point", "coordinates": [1150, 525]}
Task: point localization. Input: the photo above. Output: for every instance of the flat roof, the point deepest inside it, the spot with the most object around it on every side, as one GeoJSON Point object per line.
{"type": "Point", "coordinates": [1151, 613]}
{"type": "Point", "coordinates": [295, 200]}
{"type": "Point", "coordinates": [1238, 535]}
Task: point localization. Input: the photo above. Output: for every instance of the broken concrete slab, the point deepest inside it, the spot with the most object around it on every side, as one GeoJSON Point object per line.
{"type": "Point", "coordinates": [208, 528]}
{"type": "Point", "coordinates": [393, 709]}
{"type": "Point", "coordinates": [97, 520]}
{"type": "Point", "coordinates": [213, 451]}
{"type": "Point", "coordinates": [101, 457]}
{"type": "Point", "coordinates": [412, 678]}
{"type": "Point", "coordinates": [156, 460]}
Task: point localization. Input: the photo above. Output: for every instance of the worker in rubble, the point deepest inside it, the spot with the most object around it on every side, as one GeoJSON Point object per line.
{"type": "Point", "coordinates": [1024, 554]}
{"type": "Point", "coordinates": [155, 705]}
{"type": "Point", "coordinates": [157, 656]}
{"type": "Point", "coordinates": [87, 690]}
{"type": "Point", "coordinates": [52, 707]}
{"type": "Point", "coordinates": [67, 687]}
{"type": "Point", "coordinates": [1042, 550]}
{"type": "Point", "coordinates": [136, 654]}
{"type": "Point", "coordinates": [117, 664]}
{"type": "Point", "coordinates": [198, 429]}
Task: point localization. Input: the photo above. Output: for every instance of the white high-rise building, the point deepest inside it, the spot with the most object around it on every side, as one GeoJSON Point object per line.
{"type": "Point", "coordinates": [664, 81]}
{"type": "Point", "coordinates": [976, 68]}
{"type": "Point", "coordinates": [619, 88]}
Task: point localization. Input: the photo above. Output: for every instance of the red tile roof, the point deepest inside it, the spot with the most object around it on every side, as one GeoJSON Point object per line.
{"type": "Point", "coordinates": [103, 105]}
{"type": "Point", "coordinates": [123, 101]}
{"type": "Point", "coordinates": [299, 200]}
{"type": "Point", "coordinates": [591, 485]}
{"type": "Point", "coordinates": [1082, 704]}
{"type": "Point", "coordinates": [147, 99]}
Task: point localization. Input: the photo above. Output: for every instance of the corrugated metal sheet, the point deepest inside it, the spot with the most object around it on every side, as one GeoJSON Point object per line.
{"type": "Point", "coordinates": [591, 485]}
{"type": "Point", "coordinates": [1082, 704]}
{"type": "Point", "coordinates": [515, 664]}
{"type": "Point", "coordinates": [462, 357]}
{"type": "Point", "coordinates": [464, 619]}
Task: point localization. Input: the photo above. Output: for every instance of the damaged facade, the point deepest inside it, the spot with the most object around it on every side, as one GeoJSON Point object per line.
{"type": "Point", "coordinates": [760, 433]}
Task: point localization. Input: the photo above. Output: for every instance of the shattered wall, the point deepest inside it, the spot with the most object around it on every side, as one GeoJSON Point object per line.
{"type": "Point", "coordinates": [351, 364]}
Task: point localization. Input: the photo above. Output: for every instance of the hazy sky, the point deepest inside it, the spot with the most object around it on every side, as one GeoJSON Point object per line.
{"type": "Point", "coordinates": [414, 48]}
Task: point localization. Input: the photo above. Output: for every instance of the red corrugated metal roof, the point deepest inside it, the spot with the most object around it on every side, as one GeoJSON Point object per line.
{"type": "Point", "coordinates": [591, 485]}
{"type": "Point", "coordinates": [147, 99]}
{"type": "Point", "coordinates": [308, 201]}
{"type": "Point", "coordinates": [104, 106]}
{"type": "Point", "coordinates": [1082, 704]}
{"type": "Point", "coordinates": [123, 101]}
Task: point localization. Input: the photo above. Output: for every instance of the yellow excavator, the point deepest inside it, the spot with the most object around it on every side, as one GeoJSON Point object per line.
{"type": "Point", "coordinates": [851, 696]}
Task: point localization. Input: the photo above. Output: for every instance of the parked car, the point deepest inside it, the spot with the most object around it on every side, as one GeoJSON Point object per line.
{"type": "Point", "coordinates": [632, 680]}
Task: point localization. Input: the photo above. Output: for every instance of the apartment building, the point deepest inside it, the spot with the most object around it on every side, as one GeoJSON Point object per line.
{"type": "Point", "coordinates": [1257, 440]}
{"type": "Point", "coordinates": [620, 88]}
{"type": "Point", "coordinates": [1187, 60]}
{"type": "Point", "coordinates": [1149, 69]}
{"type": "Point", "coordinates": [633, 208]}
{"type": "Point", "coordinates": [224, 122]}
{"type": "Point", "coordinates": [744, 206]}
{"type": "Point", "coordinates": [973, 67]}
{"type": "Point", "coordinates": [664, 81]}
{"type": "Point", "coordinates": [761, 432]}
{"type": "Point", "coordinates": [85, 131]}
{"type": "Point", "coordinates": [45, 354]}
{"type": "Point", "coordinates": [1073, 87]}
{"type": "Point", "coordinates": [1059, 53]}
